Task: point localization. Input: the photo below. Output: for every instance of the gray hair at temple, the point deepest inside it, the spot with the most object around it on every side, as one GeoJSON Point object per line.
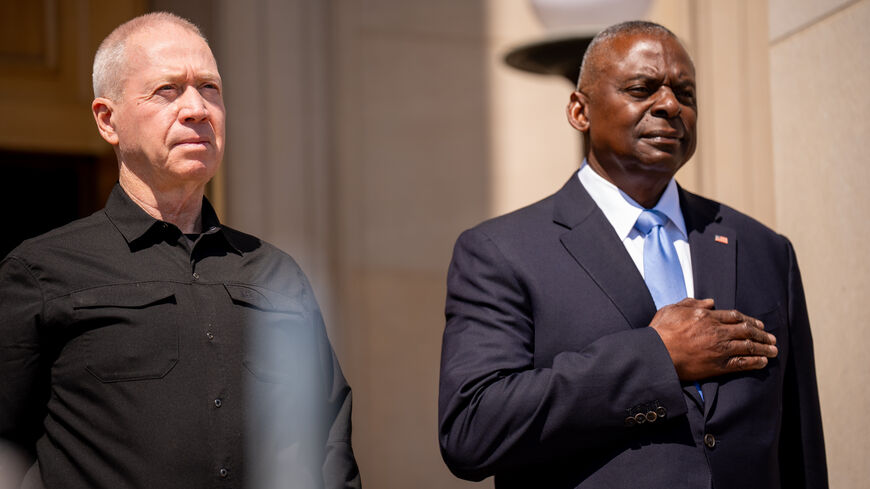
{"type": "Point", "coordinates": [110, 62]}
{"type": "Point", "coordinates": [591, 59]}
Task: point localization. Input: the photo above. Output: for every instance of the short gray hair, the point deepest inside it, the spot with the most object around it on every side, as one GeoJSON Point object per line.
{"type": "Point", "coordinates": [109, 62]}
{"type": "Point", "coordinates": [612, 32]}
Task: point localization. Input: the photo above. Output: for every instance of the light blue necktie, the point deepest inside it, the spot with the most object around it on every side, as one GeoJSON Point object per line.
{"type": "Point", "coordinates": [661, 265]}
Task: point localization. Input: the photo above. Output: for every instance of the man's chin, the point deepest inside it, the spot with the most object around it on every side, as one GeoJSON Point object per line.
{"type": "Point", "coordinates": [194, 170]}
{"type": "Point", "coordinates": [662, 161]}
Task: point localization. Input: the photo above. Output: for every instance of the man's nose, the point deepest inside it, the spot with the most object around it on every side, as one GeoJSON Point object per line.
{"type": "Point", "coordinates": [666, 103]}
{"type": "Point", "coordinates": [192, 107]}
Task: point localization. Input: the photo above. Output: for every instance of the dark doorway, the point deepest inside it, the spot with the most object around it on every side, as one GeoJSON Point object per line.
{"type": "Point", "coordinates": [39, 192]}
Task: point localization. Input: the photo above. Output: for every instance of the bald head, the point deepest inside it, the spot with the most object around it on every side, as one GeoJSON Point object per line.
{"type": "Point", "coordinates": [110, 62]}
{"type": "Point", "coordinates": [598, 54]}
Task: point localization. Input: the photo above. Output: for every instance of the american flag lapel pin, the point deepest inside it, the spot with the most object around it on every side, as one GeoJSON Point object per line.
{"type": "Point", "coordinates": [721, 239]}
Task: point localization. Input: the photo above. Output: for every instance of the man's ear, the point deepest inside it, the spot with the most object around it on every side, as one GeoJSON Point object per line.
{"type": "Point", "coordinates": [103, 111]}
{"type": "Point", "coordinates": [577, 111]}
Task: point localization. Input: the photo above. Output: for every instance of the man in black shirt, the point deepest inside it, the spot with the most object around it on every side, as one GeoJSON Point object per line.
{"type": "Point", "coordinates": [148, 345]}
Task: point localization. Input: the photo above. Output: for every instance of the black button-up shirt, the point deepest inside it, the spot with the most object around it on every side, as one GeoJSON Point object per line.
{"type": "Point", "coordinates": [133, 356]}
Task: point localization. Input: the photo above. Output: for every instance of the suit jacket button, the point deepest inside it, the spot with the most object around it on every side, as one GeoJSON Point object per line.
{"type": "Point", "coordinates": [651, 416]}
{"type": "Point", "coordinates": [629, 421]}
{"type": "Point", "coordinates": [640, 418]}
{"type": "Point", "coordinates": [661, 411]}
{"type": "Point", "coordinates": [709, 440]}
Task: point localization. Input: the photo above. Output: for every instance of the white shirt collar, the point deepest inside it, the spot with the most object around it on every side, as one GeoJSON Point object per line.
{"type": "Point", "coordinates": [621, 210]}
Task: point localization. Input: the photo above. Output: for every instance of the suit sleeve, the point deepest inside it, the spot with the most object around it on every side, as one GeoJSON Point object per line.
{"type": "Point", "coordinates": [802, 446]}
{"type": "Point", "coordinates": [24, 388]}
{"type": "Point", "coordinates": [498, 410]}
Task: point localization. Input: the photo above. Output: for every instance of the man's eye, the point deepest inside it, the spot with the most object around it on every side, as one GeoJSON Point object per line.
{"type": "Point", "coordinates": [638, 90]}
{"type": "Point", "coordinates": [164, 88]}
{"type": "Point", "coordinates": [686, 96]}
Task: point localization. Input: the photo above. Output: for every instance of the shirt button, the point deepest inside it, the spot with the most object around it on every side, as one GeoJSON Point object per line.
{"type": "Point", "coordinates": [195, 276]}
{"type": "Point", "coordinates": [209, 335]}
{"type": "Point", "coordinates": [218, 403]}
{"type": "Point", "coordinates": [709, 440]}
{"type": "Point", "coordinates": [223, 472]}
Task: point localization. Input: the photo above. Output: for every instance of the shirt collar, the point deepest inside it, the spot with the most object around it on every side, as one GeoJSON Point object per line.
{"type": "Point", "coordinates": [137, 226]}
{"type": "Point", "coordinates": [621, 210]}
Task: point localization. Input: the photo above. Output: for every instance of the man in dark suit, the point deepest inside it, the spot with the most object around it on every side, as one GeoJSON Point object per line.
{"type": "Point", "coordinates": [570, 360]}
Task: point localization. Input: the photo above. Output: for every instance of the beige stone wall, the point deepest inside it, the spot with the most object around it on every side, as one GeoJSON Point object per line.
{"type": "Point", "coordinates": [819, 70]}
{"type": "Point", "coordinates": [533, 149]}
{"type": "Point", "coordinates": [411, 170]}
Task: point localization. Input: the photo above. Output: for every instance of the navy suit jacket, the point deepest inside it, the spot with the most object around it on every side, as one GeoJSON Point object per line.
{"type": "Point", "coordinates": [547, 359]}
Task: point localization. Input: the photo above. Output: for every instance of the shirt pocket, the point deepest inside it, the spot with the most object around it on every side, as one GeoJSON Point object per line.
{"type": "Point", "coordinates": [280, 343]}
{"type": "Point", "coordinates": [130, 331]}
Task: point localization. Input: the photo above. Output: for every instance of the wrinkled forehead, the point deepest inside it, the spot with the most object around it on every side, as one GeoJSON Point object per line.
{"type": "Point", "coordinates": [168, 39]}
{"type": "Point", "coordinates": [167, 49]}
{"type": "Point", "coordinates": [648, 51]}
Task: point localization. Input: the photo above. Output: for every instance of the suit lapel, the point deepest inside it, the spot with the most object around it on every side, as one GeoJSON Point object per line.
{"type": "Point", "coordinates": [593, 243]}
{"type": "Point", "coordinates": [595, 246]}
{"type": "Point", "coordinates": [714, 263]}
